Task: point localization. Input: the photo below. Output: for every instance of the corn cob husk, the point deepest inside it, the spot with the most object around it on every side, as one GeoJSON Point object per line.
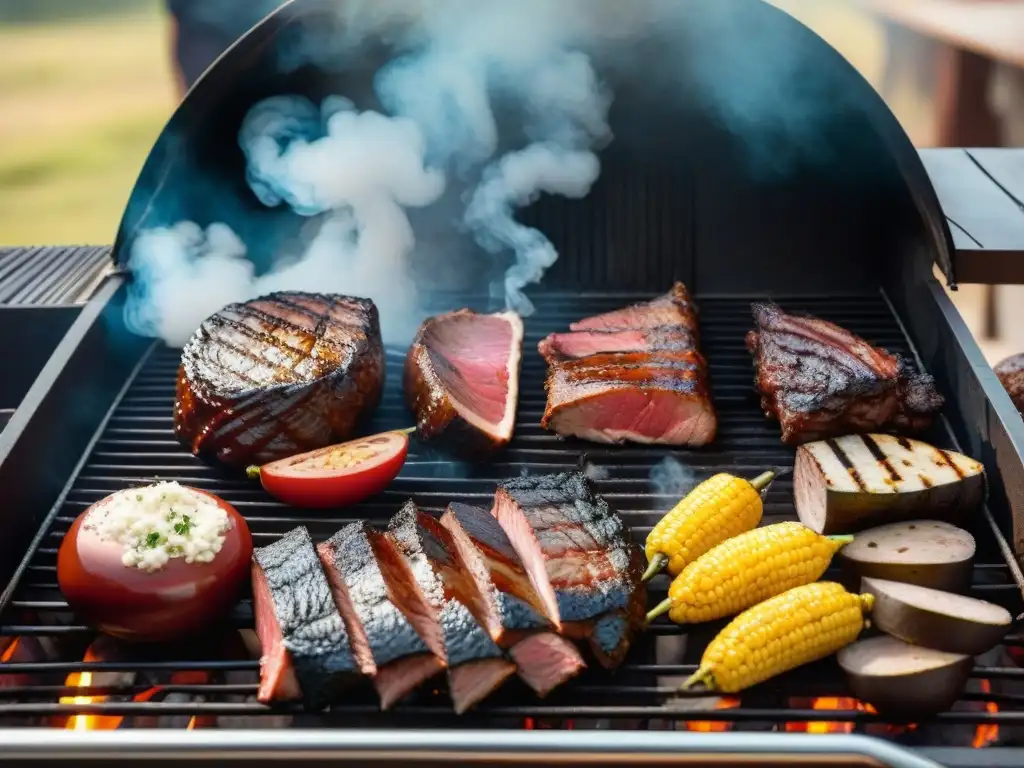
{"type": "Point", "coordinates": [799, 626]}
{"type": "Point", "coordinates": [719, 508]}
{"type": "Point", "coordinates": [747, 569]}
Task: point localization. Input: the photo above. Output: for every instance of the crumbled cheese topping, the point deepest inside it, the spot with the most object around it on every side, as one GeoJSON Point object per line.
{"type": "Point", "coordinates": [160, 522]}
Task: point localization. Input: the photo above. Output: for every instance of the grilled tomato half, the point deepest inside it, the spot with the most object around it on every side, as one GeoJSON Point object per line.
{"type": "Point", "coordinates": [155, 563]}
{"type": "Point", "coordinates": [337, 475]}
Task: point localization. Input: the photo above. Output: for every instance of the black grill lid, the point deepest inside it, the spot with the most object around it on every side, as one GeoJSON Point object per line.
{"type": "Point", "coordinates": [680, 194]}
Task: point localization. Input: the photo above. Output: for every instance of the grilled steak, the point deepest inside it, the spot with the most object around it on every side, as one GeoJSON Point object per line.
{"type": "Point", "coordinates": [674, 308]}
{"type": "Point", "coordinates": [577, 344]}
{"type": "Point", "coordinates": [822, 381]}
{"type": "Point", "coordinates": [642, 397]}
{"type": "Point", "coordinates": [476, 665]}
{"type": "Point", "coordinates": [306, 652]}
{"type": "Point", "coordinates": [386, 646]}
{"type": "Point", "coordinates": [1011, 374]}
{"type": "Point", "coordinates": [278, 375]}
{"type": "Point", "coordinates": [462, 379]}
{"type": "Point", "coordinates": [581, 560]}
{"type": "Point", "coordinates": [507, 604]}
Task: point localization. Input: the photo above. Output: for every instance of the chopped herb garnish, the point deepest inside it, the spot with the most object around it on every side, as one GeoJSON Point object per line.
{"type": "Point", "coordinates": [138, 497]}
{"type": "Point", "coordinates": [175, 550]}
{"type": "Point", "coordinates": [153, 539]}
{"type": "Point", "coordinates": [183, 527]}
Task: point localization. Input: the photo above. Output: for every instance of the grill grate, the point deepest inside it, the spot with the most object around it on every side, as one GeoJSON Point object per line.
{"type": "Point", "coordinates": [137, 446]}
{"type": "Point", "coordinates": [51, 275]}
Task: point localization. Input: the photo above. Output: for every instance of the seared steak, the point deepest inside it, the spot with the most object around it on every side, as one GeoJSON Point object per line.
{"type": "Point", "coordinates": [820, 380]}
{"type": "Point", "coordinates": [1011, 374]}
{"type": "Point", "coordinates": [306, 651]}
{"type": "Point", "coordinates": [278, 375]}
{"type": "Point", "coordinates": [462, 380]}
{"type": "Point", "coordinates": [582, 562]}
{"type": "Point", "coordinates": [576, 344]}
{"type": "Point", "coordinates": [385, 644]}
{"type": "Point", "coordinates": [476, 665]}
{"type": "Point", "coordinates": [631, 375]}
{"type": "Point", "coordinates": [642, 397]}
{"type": "Point", "coordinates": [545, 661]}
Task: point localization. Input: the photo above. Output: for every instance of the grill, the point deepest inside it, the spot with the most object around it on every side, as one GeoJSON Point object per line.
{"type": "Point", "coordinates": [58, 673]}
{"type": "Point", "coordinates": [678, 198]}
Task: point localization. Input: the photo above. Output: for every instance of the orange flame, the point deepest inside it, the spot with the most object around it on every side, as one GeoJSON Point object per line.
{"type": "Point", "coordinates": [9, 650]}
{"type": "Point", "coordinates": [87, 722]}
{"type": "Point", "coordinates": [715, 726]}
{"type": "Point", "coordinates": [986, 733]}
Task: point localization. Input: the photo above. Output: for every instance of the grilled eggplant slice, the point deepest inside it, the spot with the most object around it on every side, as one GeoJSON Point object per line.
{"type": "Point", "coordinates": [903, 680]}
{"type": "Point", "coordinates": [930, 553]}
{"type": "Point", "coordinates": [850, 483]}
{"type": "Point", "coordinates": [943, 621]}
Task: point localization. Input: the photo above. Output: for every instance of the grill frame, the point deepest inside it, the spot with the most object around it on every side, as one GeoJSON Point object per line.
{"type": "Point", "coordinates": [98, 361]}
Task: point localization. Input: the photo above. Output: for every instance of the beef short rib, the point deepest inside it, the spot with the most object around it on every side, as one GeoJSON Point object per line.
{"type": "Point", "coordinates": [581, 560]}
{"type": "Point", "coordinates": [462, 380]}
{"type": "Point", "coordinates": [306, 652]}
{"type": "Point", "coordinates": [278, 375]}
{"type": "Point", "coordinates": [819, 380]}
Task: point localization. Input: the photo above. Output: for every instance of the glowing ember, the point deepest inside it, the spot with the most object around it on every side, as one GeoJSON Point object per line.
{"type": "Point", "coordinates": [715, 726]}
{"type": "Point", "coordinates": [828, 703]}
{"type": "Point", "coordinates": [987, 733]}
{"type": "Point", "coordinates": [9, 651]}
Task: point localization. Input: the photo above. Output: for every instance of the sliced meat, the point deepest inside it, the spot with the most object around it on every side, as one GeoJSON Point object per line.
{"type": "Point", "coordinates": [476, 666]}
{"type": "Point", "coordinates": [581, 559]}
{"type": "Point", "coordinates": [545, 661]}
{"type": "Point", "coordinates": [643, 397]}
{"type": "Point", "coordinates": [306, 652]}
{"type": "Point", "coordinates": [386, 646]}
{"type": "Point", "coordinates": [462, 380]}
{"type": "Point", "coordinates": [577, 344]}
{"type": "Point", "coordinates": [819, 380]}
{"type": "Point", "coordinates": [277, 376]}
{"type": "Point", "coordinates": [507, 605]}
{"type": "Point", "coordinates": [674, 308]}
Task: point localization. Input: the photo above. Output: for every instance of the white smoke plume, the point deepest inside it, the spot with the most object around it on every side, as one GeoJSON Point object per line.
{"type": "Point", "coordinates": [670, 477]}
{"type": "Point", "coordinates": [361, 171]}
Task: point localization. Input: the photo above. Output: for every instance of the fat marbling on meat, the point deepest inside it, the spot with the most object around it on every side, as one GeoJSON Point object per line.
{"type": "Point", "coordinates": [278, 375]}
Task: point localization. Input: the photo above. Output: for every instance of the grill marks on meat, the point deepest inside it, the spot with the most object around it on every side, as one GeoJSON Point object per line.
{"type": "Point", "coordinates": [631, 375]}
{"type": "Point", "coordinates": [462, 379]}
{"type": "Point", "coordinates": [821, 381]}
{"type": "Point", "coordinates": [278, 375]}
{"type": "Point", "coordinates": [384, 643]}
{"type": "Point", "coordinates": [476, 665]}
{"type": "Point", "coordinates": [306, 650]}
{"type": "Point", "coordinates": [581, 561]}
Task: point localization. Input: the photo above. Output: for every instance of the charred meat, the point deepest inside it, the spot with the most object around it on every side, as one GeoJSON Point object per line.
{"type": "Point", "coordinates": [820, 380]}
{"type": "Point", "coordinates": [506, 603]}
{"type": "Point", "coordinates": [278, 375]}
{"type": "Point", "coordinates": [462, 379]}
{"type": "Point", "coordinates": [384, 643]}
{"type": "Point", "coordinates": [631, 375]}
{"type": "Point", "coordinates": [581, 561]}
{"type": "Point", "coordinates": [476, 666]}
{"type": "Point", "coordinates": [1011, 375]}
{"type": "Point", "coordinates": [306, 651]}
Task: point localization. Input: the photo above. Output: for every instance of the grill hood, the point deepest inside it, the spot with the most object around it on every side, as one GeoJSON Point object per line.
{"type": "Point", "coordinates": [747, 153]}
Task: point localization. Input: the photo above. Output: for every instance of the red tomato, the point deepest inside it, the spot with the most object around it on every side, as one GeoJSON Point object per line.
{"type": "Point", "coordinates": [179, 599]}
{"type": "Point", "coordinates": [338, 474]}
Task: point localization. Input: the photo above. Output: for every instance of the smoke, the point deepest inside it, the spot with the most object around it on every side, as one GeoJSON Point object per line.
{"type": "Point", "coordinates": [669, 477]}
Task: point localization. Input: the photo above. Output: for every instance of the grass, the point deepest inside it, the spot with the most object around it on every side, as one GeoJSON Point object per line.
{"type": "Point", "coordinates": [83, 103]}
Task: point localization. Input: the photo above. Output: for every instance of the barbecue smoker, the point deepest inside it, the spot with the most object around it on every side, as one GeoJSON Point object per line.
{"type": "Point", "coordinates": [834, 216]}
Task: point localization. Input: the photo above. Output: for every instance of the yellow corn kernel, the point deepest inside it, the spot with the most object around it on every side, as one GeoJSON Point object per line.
{"type": "Point", "coordinates": [717, 509]}
{"type": "Point", "coordinates": [747, 569]}
{"type": "Point", "coordinates": [799, 626]}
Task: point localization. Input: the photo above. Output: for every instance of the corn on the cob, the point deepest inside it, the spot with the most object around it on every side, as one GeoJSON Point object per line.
{"type": "Point", "coordinates": [802, 625]}
{"type": "Point", "coordinates": [717, 509]}
{"type": "Point", "coordinates": [747, 569]}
